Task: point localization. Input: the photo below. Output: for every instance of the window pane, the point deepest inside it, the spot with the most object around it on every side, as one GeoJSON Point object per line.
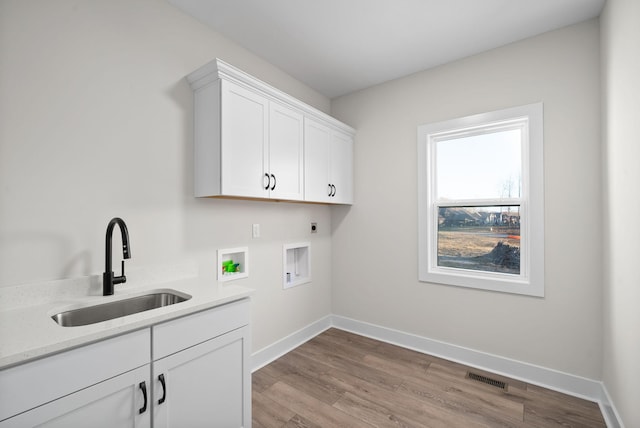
{"type": "Point", "coordinates": [480, 238]}
{"type": "Point", "coordinates": [480, 166]}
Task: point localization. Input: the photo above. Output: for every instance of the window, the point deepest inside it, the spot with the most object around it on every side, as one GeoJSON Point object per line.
{"type": "Point", "coordinates": [480, 201]}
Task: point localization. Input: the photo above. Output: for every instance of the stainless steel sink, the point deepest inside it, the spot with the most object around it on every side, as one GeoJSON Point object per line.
{"type": "Point", "coordinates": [120, 308]}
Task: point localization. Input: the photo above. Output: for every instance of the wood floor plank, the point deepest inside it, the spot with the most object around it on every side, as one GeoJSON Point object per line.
{"type": "Point", "coordinates": [403, 355]}
{"type": "Point", "coordinates": [550, 408]}
{"type": "Point", "coordinates": [550, 418]}
{"type": "Point", "coordinates": [298, 363]}
{"type": "Point", "coordinates": [456, 369]}
{"type": "Point", "coordinates": [373, 413]}
{"type": "Point", "coordinates": [340, 379]}
{"type": "Point", "coordinates": [485, 410]}
{"type": "Point", "coordinates": [380, 349]}
{"type": "Point", "coordinates": [335, 360]}
{"type": "Point", "coordinates": [262, 380]}
{"type": "Point", "coordinates": [361, 342]}
{"type": "Point", "coordinates": [298, 421]}
{"type": "Point", "coordinates": [306, 375]}
{"type": "Point", "coordinates": [268, 413]}
{"type": "Point", "coordinates": [311, 408]}
{"type": "Point", "coordinates": [397, 368]}
{"type": "Point", "coordinates": [426, 414]}
{"type": "Point", "coordinates": [315, 387]}
{"type": "Point", "coordinates": [348, 349]}
{"type": "Point", "coordinates": [273, 370]}
{"type": "Point", "coordinates": [442, 375]}
{"type": "Point", "coordinates": [358, 386]}
{"type": "Point", "coordinates": [539, 394]}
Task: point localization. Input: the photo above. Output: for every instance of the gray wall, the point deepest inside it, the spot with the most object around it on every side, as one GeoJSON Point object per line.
{"type": "Point", "coordinates": [375, 242]}
{"type": "Point", "coordinates": [96, 122]}
{"type": "Point", "coordinates": [621, 131]}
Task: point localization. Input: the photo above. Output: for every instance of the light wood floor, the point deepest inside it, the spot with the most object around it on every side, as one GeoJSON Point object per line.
{"type": "Point", "coordinates": [339, 379]}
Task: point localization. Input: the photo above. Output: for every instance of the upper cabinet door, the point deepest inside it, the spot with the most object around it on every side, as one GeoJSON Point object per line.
{"type": "Point", "coordinates": [341, 168]}
{"type": "Point", "coordinates": [286, 156]}
{"type": "Point", "coordinates": [244, 136]}
{"type": "Point", "coordinates": [316, 160]}
{"type": "Point", "coordinates": [328, 164]}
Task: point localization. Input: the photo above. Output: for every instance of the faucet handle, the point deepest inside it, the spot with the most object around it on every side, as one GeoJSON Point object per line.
{"type": "Point", "coordinates": [122, 278]}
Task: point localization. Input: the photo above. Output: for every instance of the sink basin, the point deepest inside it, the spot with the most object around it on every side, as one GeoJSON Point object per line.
{"type": "Point", "coordinates": [120, 308]}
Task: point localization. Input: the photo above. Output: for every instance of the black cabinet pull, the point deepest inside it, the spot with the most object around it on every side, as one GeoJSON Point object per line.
{"type": "Point", "coordinates": [333, 186]}
{"type": "Point", "coordinates": [268, 181]}
{"type": "Point", "coordinates": [330, 190]}
{"type": "Point", "coordinates": [274, 181]}
{"type": "Point", "coordinates": [164, 389]}
{"type": "Point", "coordinates": [143, 387]}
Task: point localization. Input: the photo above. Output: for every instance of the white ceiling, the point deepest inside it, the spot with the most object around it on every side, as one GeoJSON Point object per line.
{"type": "Point", "coordinates": [341, 46]}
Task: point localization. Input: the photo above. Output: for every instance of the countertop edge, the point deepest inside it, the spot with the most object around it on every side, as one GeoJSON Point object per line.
{"type": "Point", "coordinates": [39, 345]}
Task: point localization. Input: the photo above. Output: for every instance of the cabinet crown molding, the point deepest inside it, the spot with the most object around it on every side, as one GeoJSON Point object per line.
{"type": "Point", "coordinates": [218, 69]}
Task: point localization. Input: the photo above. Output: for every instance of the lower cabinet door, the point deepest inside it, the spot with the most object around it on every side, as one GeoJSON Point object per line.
{"type": "Point", "coordinates": [116, 402]}
{"type": "Point", "coordinates": [204, 385]}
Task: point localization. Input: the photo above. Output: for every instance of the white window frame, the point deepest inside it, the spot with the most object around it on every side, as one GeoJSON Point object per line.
{"type": "Point", "coordinates": [530, 281]}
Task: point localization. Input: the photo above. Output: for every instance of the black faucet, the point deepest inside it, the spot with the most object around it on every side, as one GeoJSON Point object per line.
{"type": "Point", "coordinates": [108, 280]}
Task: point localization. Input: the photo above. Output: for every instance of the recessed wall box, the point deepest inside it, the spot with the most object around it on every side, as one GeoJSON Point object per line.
{"type": "Point", "coordinates": [233, 263]}
{"type": "Point", "coordinates": [296, 264]}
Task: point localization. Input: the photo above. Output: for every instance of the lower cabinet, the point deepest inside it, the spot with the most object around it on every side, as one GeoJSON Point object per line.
{"type": "Point", "coordinates": [201, 373]}
{"type": "Point", "coordinates": [202, 384]}
{"type": "Point", "coordinates": [122, 401]}
{"type": "Point", "coordinates": [194, 373]}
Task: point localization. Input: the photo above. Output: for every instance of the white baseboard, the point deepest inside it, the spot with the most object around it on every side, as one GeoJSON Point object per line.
{"type": "Point", "coordinates": [576, 386]}
{"type": "Point", "coordinates": [274, 351]}
{"type": "Point", "coordinates": [609, 411]}
{"type": "Point", "coordinates": [541, 376]}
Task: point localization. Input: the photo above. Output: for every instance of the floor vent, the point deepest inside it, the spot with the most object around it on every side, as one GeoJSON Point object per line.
{"type": "Point", "coordinates": [493, 382]}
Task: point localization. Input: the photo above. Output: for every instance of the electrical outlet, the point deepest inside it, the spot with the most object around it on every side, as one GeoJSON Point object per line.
{"type": "Point", "coordinates": [255, 231]}
{"type": "Point", "coordinates": [314, 227]}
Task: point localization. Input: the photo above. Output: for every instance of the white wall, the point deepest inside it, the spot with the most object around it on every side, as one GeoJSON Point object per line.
{"type": "Point", "coordinates": [375, 241]}
{"type": "Point", "coordinates": [621, 130]}
{"type": "Point", "coordinates": [96, 122]}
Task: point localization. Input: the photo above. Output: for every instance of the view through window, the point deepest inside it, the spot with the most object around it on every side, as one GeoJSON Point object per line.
{"type": "Point", "coordinates": [480, 238]}
{"type": "Point", "coordinates": [479, 166]}
{"type": "Point", "coordinates": [481, 201]}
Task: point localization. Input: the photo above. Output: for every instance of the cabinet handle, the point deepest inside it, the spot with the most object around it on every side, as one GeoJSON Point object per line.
{"type": "Point", "coordinates": [333, 186]}
{"type": "Point", "coordinates": [274, 181]}
{"type": "Point", "coordinates": [330, 190]}
{"type": "Point", "coordinates": [164, 389]}
{"type": "Point", "coordinates": [143, 387]}
{"type": "Point", "coordinates": [266, 187]}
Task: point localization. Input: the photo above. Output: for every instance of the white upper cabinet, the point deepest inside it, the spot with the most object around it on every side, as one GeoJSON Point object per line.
{"type": "Point", "coordinates": [243, 145]}
{"type": "Point", "coordinates": [328, 164]}
{"type": "Point", "coordinates": [286, 152]}
{"type": "Point", "coordinates": [341, 167]}
{"type": "Point", "coordinates": [250, 141]}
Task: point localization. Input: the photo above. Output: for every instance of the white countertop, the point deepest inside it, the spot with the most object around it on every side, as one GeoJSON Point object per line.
{"type": "Point", "coordinates": [27, 331]}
